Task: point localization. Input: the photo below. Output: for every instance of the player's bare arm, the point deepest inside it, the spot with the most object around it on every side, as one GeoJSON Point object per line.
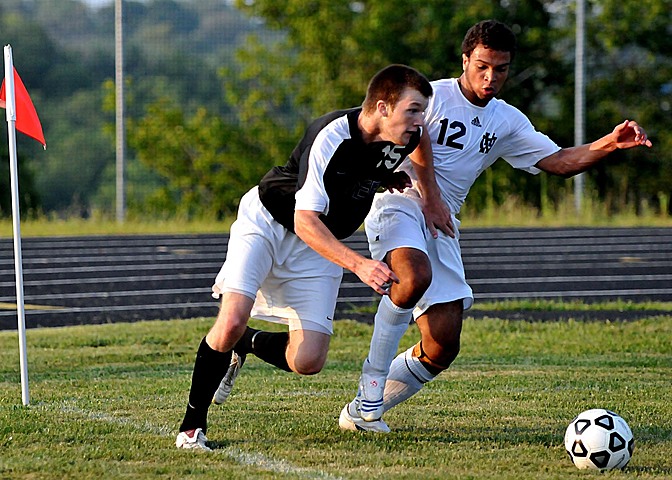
{"type": "Point", "coordinates": [436, 212]}
{"type": "Point", "coordinates": [571, 161]}
{"type": "Point", "coordinates": [310, 229]}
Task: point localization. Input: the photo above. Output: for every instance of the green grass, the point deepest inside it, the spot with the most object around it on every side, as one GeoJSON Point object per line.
{"type": "Point", "coordinates": [103, 226]}
{"type": "Point", "coordinates": [537, 305]}
{"type": "Point", "coordinates": [544, 305]}
{"type": "Point", "coordinates": [512, 213]}
{"type": "Point", "coordinates": [106, 402]}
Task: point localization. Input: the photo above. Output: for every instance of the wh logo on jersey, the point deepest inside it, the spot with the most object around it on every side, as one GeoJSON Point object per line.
{"type": "Point", "coordinates": [487, 142]}
{"type": "Point", "coordinates": [392, 157]}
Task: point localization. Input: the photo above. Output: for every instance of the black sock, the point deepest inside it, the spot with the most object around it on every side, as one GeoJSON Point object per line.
{"type": "Point", "coordinates": [244, 345]}
{"type": "Point", "coordinates": [271, 347]}
{"type": "Point", "coordinates": [209, 369]}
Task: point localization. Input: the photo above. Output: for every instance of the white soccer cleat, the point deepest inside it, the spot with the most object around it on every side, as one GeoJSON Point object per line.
{"type": "Point", "coordinates": [348, 421]}
{"type": "Point", "coordinates": [370, 397]}
{"type": "Point", "coordinates": [192, 439]}
{"type": "Point", "coordinates": [226, 385]}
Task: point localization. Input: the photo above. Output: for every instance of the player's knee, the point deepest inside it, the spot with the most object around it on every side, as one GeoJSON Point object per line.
{"type": "Point", "coordinates": [306, 362]}
{"type": "Point", "coordinates": [226, 332]}
{"type": "Point", "coordinates": [231, 327]}
{"type": "Point", "coordinates": [307, 366]}
{"type": "Point", "coordinates": [234, 311]}
{"type": "Point", "coordinates": [415, 274]}
{"type": "Point", "coordinates": [437, 357]}
{"type": "Point", "coordinates": [447, 350]}
{"type": "Point", "coordinates": [422, 280]}
{"type": "Point", "coordinates": [411, 288]}
{"type": "Point", "coordinates": [449, 353]}
{"type": "Point", "coordinates": [307, 351]}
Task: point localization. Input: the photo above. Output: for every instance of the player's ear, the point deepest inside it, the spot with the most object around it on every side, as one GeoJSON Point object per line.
{"type": "Point", "coordinates": [465, 61]}
{"type": "Point", "coordinates": [382, 108]}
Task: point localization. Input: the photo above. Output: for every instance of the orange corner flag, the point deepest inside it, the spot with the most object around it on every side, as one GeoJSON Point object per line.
{"type": "Point", "coordinates": [27, 121]}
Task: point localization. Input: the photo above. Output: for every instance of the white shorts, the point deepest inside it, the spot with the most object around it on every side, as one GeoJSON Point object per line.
{"type": "Point", "coordinates": [396, 221]}
{"type": "Point", "coordinates": [289, 281]}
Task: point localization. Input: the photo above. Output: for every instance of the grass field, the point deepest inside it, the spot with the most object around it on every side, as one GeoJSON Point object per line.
{"type": "Point", "coordinates": [509, 215]}
{"type": "Point", "coordinates": [106, 402]}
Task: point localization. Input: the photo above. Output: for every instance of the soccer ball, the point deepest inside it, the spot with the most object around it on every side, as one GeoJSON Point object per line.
{"type": "Point", "coordinates": [599, 439]}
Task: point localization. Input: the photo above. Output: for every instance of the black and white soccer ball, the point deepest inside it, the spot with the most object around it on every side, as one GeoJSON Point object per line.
{"type": "Point", "coordinates": [599, 439]}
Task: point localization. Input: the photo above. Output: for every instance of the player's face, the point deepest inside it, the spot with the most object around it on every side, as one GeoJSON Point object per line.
{"type": "Point", "coordinates": [485, 72]}
{"type": "Point", "coordinates": [405, 118]}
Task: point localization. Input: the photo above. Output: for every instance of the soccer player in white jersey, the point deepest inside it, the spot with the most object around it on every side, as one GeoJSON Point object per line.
{"type": "Point", "coordinates": [285, 257]}
{"type": "Point", "coordinates": [469, 129]}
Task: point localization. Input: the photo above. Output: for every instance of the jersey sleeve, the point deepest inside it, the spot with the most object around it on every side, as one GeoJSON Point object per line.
{"type": "Point", "coordinates": [312, 195]}
{"type": "Point", "coordinates": [526, 146]}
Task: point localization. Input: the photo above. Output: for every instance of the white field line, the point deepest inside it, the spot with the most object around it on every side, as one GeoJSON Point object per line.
{"type": "Point", "coordinates": [253, 459]}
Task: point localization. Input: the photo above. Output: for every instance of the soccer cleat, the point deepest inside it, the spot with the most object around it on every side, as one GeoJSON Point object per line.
{"type": "Point", "coordinates": [348, 421]}
{"type": "Point", "coordinates": [370, 397]}
{"type": "Point", "coordinates": [192, 439]}
{"type": "Point", "coordinates": [226, 385]}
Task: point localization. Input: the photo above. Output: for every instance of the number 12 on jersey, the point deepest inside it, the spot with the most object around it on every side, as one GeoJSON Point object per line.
{"type": "Point", "coordinates": [457, 129]}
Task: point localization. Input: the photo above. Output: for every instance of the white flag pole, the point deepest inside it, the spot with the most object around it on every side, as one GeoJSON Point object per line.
{"type": "Point", "coordinates": [18, 263]}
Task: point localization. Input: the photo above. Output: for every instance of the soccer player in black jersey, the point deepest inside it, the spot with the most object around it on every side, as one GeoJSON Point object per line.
{"type": "Point", "coordinates": [285, 257]}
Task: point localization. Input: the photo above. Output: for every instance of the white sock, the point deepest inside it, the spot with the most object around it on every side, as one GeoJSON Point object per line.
{"type": "Point", "coordinates": [390, 324]}
{"type": "Point", "coordinates": [406, 378]}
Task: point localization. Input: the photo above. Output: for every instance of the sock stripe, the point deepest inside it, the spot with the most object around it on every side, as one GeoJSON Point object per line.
{"type": "Point", "coordinates": [253, 337]}
{"type": "Point", "coordinates": [368, 405]}
{"type": "Point", "coordinates": [408, 365]}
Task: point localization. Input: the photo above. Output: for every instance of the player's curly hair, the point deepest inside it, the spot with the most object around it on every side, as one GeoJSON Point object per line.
{"type": "Point", "coordinates": [388, 84]}
{"type": "Point", "coordinates": [493, 35]}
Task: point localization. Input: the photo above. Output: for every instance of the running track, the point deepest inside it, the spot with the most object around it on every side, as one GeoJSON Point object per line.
{"type": "Point", "coordinates": [97, 279]}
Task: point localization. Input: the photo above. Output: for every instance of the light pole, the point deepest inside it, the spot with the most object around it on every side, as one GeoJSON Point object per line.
{"type": "Point", "coordinates": [579, 96]}
{"type": "Point", "coordinates": [119, 90]}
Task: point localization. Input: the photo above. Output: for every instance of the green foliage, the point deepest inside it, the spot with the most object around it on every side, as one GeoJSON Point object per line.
{"type": "Point", "coordinates": [334, 46]}
{"type": "Point", "coordinates": [69, 175]}
{"type": "Point", "coordinates": [206, 164]}
{"type": "Point", "coordinates": [265, 68]}
{"type": "Point", "coordinates": [29, 200]}
{"type": "Point", "coordinates": [65, 53]}
{"type": "Point", "coordinates": [628, 71]}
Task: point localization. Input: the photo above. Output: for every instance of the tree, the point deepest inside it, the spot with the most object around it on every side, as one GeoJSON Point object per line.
{"type": "Point", "coordinates": [206, 164]}
{"type": "Point", "coordinates": [24, 37]}
{"type": "Point", "coordinates": [307, 57]}
{"type": "Point", "coordinates": [78, 152]}
{"type": "Point", "coordinates": [29, 200]}
{"type": "Point", "coordinates": [332, 47]}
{"type": "Point", "coordinates": [628, 76]}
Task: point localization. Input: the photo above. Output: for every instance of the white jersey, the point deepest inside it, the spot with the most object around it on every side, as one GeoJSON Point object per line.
{"type": "Point", "coordinates": [467, 139]}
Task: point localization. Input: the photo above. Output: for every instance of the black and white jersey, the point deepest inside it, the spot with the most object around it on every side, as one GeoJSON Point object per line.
{"type": "Point", "coordinates": [334, 172]}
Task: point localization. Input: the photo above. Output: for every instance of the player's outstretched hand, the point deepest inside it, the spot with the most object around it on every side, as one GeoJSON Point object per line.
{"type": "Point", "coordinates": [376, 275]}
{"type": "Point", "coordinates": [629, 134]}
